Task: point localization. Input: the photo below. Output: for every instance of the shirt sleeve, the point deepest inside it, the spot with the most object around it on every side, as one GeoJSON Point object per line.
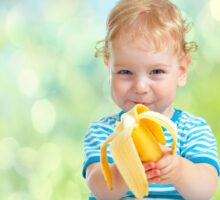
{"type": "Point", "coordinates": [94, 138]}
{"type": "Point", "coordinates": [200, 144]}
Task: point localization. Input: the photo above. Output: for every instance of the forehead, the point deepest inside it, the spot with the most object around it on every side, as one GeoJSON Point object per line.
{"type": "Point", "coordinates": [138, 52]}
{"type": "Point", "coordinates": [126, 43]}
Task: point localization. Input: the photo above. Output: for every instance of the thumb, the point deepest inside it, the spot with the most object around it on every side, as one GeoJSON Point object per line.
{"type": "Point", "coordinates": [165, 149]}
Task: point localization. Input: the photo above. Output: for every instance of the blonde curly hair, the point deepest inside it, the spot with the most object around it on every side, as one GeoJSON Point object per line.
{"type": "Point", "coordinates": [159, 21]}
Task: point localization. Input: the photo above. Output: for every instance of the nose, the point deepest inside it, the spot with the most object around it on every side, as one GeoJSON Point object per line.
{"type": "Point", "coordinates": [141, 86]}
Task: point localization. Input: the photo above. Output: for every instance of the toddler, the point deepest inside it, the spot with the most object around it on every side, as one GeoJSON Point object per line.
{"type": "Point", "coordinates": [148, 58]}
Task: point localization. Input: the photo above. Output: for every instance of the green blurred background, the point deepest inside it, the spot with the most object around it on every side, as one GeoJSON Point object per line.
{"type": "Point", "coordinates": [52, 87]}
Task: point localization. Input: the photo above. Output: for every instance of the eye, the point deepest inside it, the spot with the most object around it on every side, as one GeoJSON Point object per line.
{"type": "Point", "coordinates": [125, 72]}
{"type": "Point", "coordinates": [157, 72]}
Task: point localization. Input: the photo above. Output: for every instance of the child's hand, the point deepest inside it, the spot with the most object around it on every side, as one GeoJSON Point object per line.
{"type": "Point", "coordinates": [165, 171]}
{"type": "Point", "coordinates": [152, 172]}
{"type": "Point", "coordinates": [170, 168]}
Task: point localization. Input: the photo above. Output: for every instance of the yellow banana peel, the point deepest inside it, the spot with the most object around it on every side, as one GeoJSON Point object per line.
{"type": "Point", "coordinates": [137, 138]}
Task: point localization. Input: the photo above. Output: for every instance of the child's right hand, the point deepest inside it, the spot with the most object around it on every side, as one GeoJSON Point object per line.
{"type": "Point", "coordinates": [152, 172]}
{"type": "Point", "coordinates": [166, 170]}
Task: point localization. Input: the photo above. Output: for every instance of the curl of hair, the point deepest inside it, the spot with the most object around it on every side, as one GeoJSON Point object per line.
{"type": "Point", "coordinates": [158, 21]}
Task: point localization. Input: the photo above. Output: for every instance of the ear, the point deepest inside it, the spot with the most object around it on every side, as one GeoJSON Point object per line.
{"type": "Point", "coordinates": [183, 70]}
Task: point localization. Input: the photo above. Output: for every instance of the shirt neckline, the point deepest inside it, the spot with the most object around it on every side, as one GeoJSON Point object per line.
{"type": "Point", "coordinates": [176, 115]}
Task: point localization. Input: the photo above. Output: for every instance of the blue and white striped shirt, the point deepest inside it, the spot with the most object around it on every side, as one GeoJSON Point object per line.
{"type": "Point", "coordinates": [195, 142]}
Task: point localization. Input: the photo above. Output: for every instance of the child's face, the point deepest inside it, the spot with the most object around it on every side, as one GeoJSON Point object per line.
{"type": "Point", "coordinates": [139, 75]}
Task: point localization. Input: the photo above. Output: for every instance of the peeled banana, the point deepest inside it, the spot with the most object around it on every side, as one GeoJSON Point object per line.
{"type": "Point", "coordinates": [137, 138]}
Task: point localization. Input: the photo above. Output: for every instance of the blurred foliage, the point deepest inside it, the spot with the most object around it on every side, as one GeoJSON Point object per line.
{"type": "Point", "coordinates": [52, 87]}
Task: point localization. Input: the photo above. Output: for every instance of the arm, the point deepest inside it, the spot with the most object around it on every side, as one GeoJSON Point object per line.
{"type": "Point", "coordinates": [97, 184]}
{"type": "Point", "coordinates": [196, 181]}
{"type": "Point", "coordinates": [191, 180]}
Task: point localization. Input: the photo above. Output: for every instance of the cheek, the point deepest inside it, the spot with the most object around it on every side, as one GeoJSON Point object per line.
{"type": "Point", "coordinates": [120, 90]}
{"type": "Point", "coordinates": [115, 88]}
{"type": "Point", "coordinates": [165, 91]}
{"type": "Point", "coordinates": [118, 87]}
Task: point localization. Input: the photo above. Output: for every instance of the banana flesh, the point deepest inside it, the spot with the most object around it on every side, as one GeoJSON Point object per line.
{"type": "Point", "coordinates": [137, 138]}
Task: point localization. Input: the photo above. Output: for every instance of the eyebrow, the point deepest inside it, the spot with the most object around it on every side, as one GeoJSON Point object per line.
{"type": "Point", "coordinates": [159, 64]}
{"type": "Point", "coordinates": [121, 65]}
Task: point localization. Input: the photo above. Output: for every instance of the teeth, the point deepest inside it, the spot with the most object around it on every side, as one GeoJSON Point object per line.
{"type": "Point", "coordinates": [137, 138]}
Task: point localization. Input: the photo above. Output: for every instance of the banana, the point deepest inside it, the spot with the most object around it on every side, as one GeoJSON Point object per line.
{"type": "Point", "coordinates": [137, 138]}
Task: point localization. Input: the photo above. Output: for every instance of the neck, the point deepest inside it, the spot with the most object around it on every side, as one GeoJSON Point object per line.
{"type": "Point", "coordinates": [169, 112]}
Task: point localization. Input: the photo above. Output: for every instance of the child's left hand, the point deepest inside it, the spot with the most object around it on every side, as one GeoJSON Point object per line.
{"type": "Point", "coordinates": [166, 170]}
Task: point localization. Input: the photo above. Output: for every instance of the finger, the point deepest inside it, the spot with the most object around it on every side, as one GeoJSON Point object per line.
{"type": "Point", "coordinates": [153, 173]}
{"type": "Point", "coordinates": [171, 172]}
{"type": "Point", "coordinates": [149, 166]}
{"type": "Point", "coordinates": [164, 161]}
{"type": "Point", "coordinates": [166, 170]}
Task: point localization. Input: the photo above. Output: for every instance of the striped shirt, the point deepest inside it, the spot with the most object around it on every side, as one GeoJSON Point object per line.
{"type": "Point", "coordinates": [195, 142]}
